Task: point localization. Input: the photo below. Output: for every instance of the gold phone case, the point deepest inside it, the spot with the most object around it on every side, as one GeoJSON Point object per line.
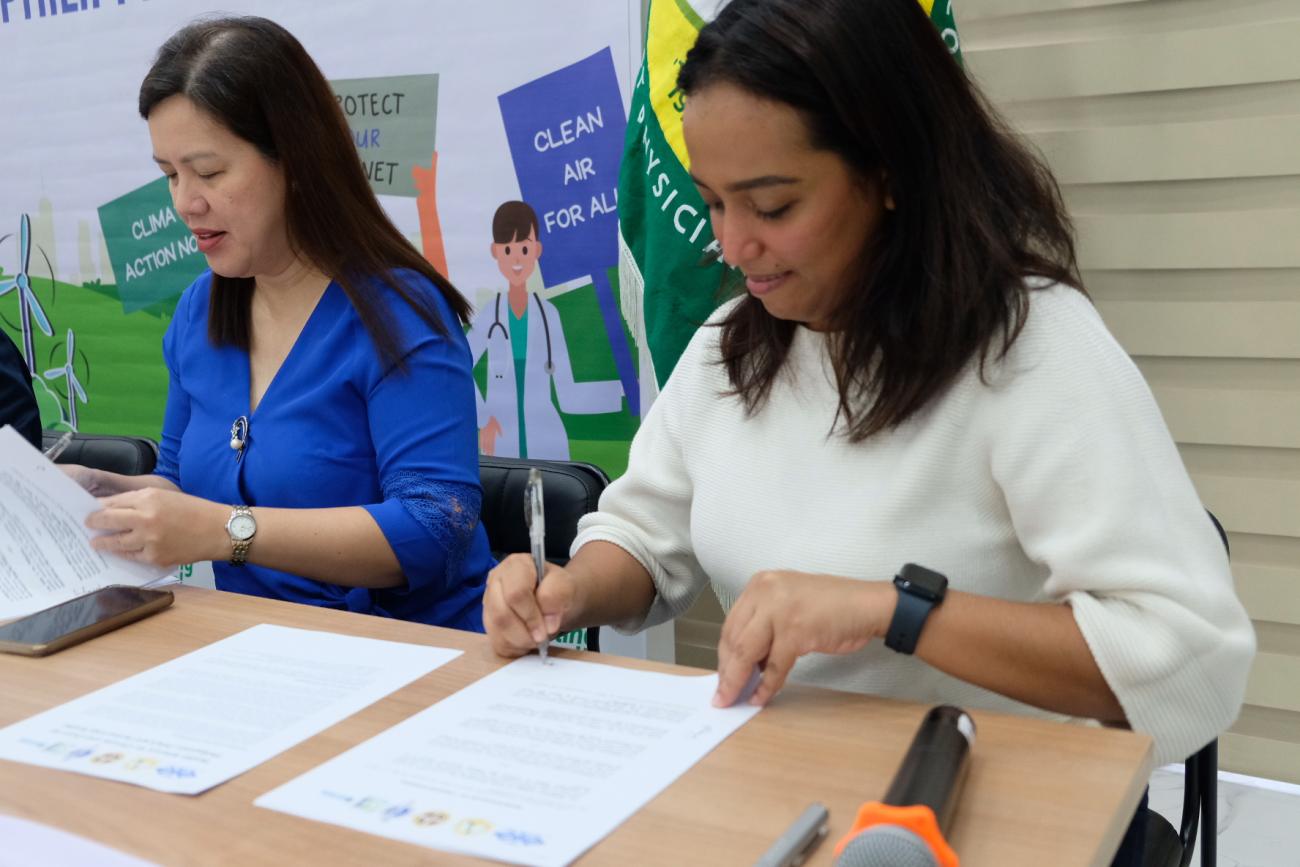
{"type": "Point", "coordinates": [157, 603]}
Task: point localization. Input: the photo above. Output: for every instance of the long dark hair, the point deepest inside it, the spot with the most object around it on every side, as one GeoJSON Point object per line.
{"type": "Point", "coordinates": [256, 79]}
{"type": "Point", "coordinates": [943, 282]}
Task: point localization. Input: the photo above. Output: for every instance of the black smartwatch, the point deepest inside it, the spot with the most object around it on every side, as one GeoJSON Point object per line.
{"type": "Point", "coordinates": [919, 591]}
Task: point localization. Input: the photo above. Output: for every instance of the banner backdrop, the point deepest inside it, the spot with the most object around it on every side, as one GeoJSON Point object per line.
{"type": "Point", "coordinates": [456, 108]}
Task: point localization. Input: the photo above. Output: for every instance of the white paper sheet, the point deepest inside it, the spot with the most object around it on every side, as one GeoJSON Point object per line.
{"type": "Point", "coordinates": [27, 843]}
{"type": "Point", "coordinates": [202, 718]}
{"type": "Point", "coordinates": [45, 553]}
{"type": "Point", "coordinates": [532, 764]}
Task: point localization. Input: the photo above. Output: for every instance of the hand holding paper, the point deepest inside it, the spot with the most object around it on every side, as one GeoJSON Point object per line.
{"type": "Point", "coordinates": [46, 555]}
{"type": "Point", "coordinates": [160, 527]}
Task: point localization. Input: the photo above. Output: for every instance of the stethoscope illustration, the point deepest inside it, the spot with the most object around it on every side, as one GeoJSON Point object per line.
{"type": "Point", "coordinates": [546, 326]}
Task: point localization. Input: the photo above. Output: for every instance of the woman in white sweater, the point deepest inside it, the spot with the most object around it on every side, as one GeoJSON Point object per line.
{"type": "Point", "coordinates": [913, 376]}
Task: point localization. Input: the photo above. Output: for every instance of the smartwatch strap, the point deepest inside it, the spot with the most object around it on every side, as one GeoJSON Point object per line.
{"type": "Point", "coordinates": [909, 617]}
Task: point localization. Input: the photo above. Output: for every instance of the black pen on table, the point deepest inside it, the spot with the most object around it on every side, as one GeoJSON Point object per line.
{"type": "Point", "coordinates": [535, 515]}
{"type": "Point", "coordinates": [799, 840]}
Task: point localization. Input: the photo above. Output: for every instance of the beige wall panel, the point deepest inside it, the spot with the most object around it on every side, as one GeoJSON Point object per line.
{"type": "Point", "coordinates": [1239, 284]}
{"type": "Point", "coordinates": [1249, 505]}
{"type": "Point", "coordinates": [1244, 54]}
{"type": "Point", "coordinates": [1270, 374]}
{"type": "Point", "coordinates": [1029, 22]}
{"type": "Point", "coordinates": [1215, 195]}
{"type": "Point", "coordinates": [1261, 757]}
{"type": "Point", "coordinates": [1243, 463]}
{"type": "Point", "coordinates": [1245, 329]}
{"type": "Point", "coordinates": [1275, 682]}
{"type": "Point", "coordinates": [1246, 147]}
{"type": "Point", "coordinates": [1197, 105]}
{"type": "Point", "coordinates": [697, 632]}
{"type": "Point", "coordinates": [702, 629]}
{"type": "Point", "coordinates": [1277, 638]}
{"type": "Point", "coordinates": [698, 639]}
{"type": "Point", "coordinates": [694, 655]}
{"type": "Point", "coordinates": [1269, 594]}
{"type": "Point", "coordinates": [1240, 239]}
{"type": "Point", "coordinates": [1269, 419]}
{"type": "Point", "coordinates": [1267, 569]}
{"type": "Point", "coordinates": [969, 12]}
{"type": "Point", "coordinates": [1267, 722]}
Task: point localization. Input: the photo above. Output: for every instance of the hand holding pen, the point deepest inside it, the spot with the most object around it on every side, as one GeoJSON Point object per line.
{"type": "Point", "coordinates": [535, 515]}
{"type": "Point", "coordinates": [521, 612]}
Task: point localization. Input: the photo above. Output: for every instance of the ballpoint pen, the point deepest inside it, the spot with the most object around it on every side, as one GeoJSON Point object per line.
{"type": "Point", "coordinates": [60, 445]}
{"type": "Point", "coordinates": [535, 515]}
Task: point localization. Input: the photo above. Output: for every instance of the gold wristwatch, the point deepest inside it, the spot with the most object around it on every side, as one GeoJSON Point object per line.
{"type": "Point", "coordinates": [242, 526]}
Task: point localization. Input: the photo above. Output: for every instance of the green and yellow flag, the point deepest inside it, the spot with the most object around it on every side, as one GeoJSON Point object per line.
{"type": "Point", "coordinates": [668, 278]}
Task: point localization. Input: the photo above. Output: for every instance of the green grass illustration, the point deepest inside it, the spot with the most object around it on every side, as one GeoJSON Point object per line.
{"type": "Point", "coordinates": [122, 372]}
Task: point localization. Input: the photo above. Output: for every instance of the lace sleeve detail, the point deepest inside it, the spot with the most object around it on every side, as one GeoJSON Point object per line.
{"type": "Point", "coordinates": [448, 511]}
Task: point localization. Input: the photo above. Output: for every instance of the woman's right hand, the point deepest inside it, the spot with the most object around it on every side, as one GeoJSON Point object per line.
{"type": "Point", "coordinates": [519, 613]}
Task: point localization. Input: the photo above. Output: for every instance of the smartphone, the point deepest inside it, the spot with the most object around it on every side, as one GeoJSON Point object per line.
{"type": "Point", "coordinates": [80, 619]}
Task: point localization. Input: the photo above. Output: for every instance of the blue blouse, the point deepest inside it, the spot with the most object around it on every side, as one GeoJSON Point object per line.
{"type": "Point", "coordinates": [338, 426]}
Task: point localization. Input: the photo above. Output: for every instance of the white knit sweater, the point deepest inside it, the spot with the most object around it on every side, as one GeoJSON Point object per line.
{"type": "Point", "coordinates": [1057, 480]}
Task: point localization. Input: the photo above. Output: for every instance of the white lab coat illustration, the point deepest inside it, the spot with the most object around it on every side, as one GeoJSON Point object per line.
{"type": "Point", "coordinates": [546, 361]}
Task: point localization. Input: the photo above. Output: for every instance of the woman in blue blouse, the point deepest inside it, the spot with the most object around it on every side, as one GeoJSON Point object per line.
{"type": "Point", "coordinates": [320, 427]}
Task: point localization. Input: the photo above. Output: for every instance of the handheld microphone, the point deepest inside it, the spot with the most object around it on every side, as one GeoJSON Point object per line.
{"type": "Point", "coordinates": [905, 828]}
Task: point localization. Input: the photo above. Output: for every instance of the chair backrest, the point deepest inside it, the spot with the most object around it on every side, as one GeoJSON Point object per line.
{"type": "Point", "coordinates": [570, 489]}
{"type": "Point", "coordinates": [128, 455]}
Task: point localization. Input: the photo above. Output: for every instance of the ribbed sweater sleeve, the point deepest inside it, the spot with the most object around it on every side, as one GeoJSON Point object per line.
{"type": "Point", "coordinates": [1148, 581]}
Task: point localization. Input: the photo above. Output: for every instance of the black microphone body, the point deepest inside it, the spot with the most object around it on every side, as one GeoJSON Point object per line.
{"type": "Point", "coordinates": [907, 826]}
{"type": "Point", "coordinates": [935, 767]}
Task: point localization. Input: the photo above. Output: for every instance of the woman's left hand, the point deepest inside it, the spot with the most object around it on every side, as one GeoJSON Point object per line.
{"type": "Point", "coordinates": [159, 527]}
{"type": "Point", "coordinates": [782, 615]}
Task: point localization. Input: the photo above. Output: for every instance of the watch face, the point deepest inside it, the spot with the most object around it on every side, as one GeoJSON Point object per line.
{"type": "Point", "coordinates": [920, 581]}
{"type": "Point", "coordinates": [242, 527]}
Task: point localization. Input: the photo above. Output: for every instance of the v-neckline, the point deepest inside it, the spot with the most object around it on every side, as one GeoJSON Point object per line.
{"type": "Point", "coordinates": [293, 350]}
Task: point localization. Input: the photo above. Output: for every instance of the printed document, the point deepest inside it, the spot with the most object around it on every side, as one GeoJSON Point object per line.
{"type": "Point", "coordinates": [532, 764]}
{"type": "Point", "coordinates": [45, 553]}
{"type": "Point", "coordinates": [194, 722]}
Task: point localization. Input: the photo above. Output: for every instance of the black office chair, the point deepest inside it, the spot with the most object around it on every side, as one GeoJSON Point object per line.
{"type": "Point", "coordinates": [128, 455]}
{"type": "Point", "coordinates": [570, 489]}
{"type": "Point", "coordinates": [1166, 847]}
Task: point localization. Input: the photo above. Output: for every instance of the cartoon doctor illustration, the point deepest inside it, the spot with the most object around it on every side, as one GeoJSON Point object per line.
{"type": "Point", "coordinates": [527, 352]}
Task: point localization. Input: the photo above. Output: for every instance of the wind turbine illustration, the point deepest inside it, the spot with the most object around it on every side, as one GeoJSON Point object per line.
{"type": "Point", "coordinates": [68, 371]}
{"type": "Point", "coordinates": [28, 305]}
